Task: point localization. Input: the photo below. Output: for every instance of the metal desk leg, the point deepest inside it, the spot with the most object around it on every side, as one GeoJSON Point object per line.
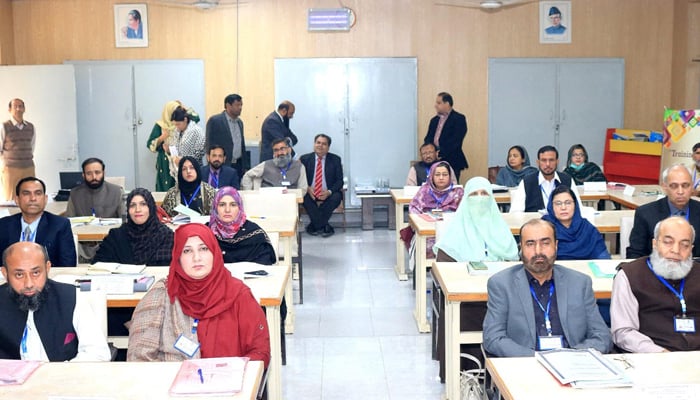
{"type": "Point", "coordinates": [400, 267]}
{"type": "Point", "coordinates": [274, 376]}
{"type": "Point", "coordinates": [289, 292]}
{"type": "Point", "coordinates": [452, 349]}
{"type": "Point", "coordinates": [420, 272]}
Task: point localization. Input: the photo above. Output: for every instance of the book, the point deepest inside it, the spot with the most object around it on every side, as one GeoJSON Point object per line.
{"type": "Point", "coordinates": [16, 372]}
{"type": "Point", "coordinates": [116, 268]}
{"type": "Point", "coordinates": [582, 368]}
{"type": "Point", "coordinates": [210, 376]}
{"type": "Point", "coordinates": [487, 268]}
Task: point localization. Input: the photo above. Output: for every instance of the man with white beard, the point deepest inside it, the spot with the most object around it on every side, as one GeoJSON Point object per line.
{"type": "Point", "coordinates": [655, 301]}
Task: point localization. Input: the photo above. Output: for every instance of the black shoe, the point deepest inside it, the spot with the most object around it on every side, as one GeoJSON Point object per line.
{"type": "Point", "coordinates": [327, 231]}
{"type": "Point", "coordinates": [311, 231]}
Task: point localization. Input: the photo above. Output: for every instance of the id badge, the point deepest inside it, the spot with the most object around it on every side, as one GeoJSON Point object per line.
{"type": "Point", "coordinates": [286, 183]}
{"type": "Point", "coordinates": [684, 324]}
{"type": "Point", "coordinates": [550, 342]}
{"type": "Point", "coordinates": [186, 346]}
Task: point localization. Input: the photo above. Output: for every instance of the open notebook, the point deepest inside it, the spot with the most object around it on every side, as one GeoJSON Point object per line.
{"type": "Point", "coordinates": [210, 376]}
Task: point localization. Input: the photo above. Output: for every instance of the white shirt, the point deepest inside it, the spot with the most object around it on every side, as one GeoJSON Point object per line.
{"type": "Point", "coordinates": [92, 343]}
{"type": "Point", "coordinates": [517, 196]}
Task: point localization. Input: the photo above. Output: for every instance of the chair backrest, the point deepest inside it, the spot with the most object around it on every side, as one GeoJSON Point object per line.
{"type": "Point", "coordinates": [98, 304]}
{"type": "Point", "coordinates": [493, 173]}
{"type": "Point", "coordinates": [117, 180]}
{"type": "Point", "coordinates": [275, 242]}
{"type": "Point", "coordinates": [626, 224]}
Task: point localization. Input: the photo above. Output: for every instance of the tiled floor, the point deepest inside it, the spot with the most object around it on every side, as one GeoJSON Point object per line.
{"type": "Point", "coordinates": [355, 336]}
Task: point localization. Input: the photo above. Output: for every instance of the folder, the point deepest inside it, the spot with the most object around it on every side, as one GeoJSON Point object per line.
{"type": "Point", "coordinates": [142, 283]}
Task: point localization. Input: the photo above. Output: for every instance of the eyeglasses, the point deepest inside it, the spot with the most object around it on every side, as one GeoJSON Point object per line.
{"type": "Point", "coordinates": [280, 150]}
{"type": "Point", "coordinates": [578, 155]}
{"type": "Point", "coordinates": [562, 204]}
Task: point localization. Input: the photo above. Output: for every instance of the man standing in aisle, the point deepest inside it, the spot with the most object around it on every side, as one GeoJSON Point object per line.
{"type": "Point", "coordinates": [655, 304]}
{"type": "Point", "coordinates": [276, 126]}
{"type": "Point", "coordinates": [532, 193]}
{"type": "Point", "coordinates": [678, 186]}
{"type": "Point", "coordinates": [226, 130]}
{"type": "Point", "coordinates": [324, 174]}
{"type": "Point", "coordinates": [447, 131]}
{"type": "Point", "coordinates": [17, 139]}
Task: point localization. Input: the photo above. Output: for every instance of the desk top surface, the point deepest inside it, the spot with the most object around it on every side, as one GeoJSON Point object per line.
{"type": "Point", "coordinates": [267, 290]}
{"type": "Point", "coordinates": [459, 285]}
{"type": "Point", "coordinates": [650, 373]}
{"type": "Point", "coordinates": [114, 380]}
{"type": "Point", "coordinates": [606, 221]}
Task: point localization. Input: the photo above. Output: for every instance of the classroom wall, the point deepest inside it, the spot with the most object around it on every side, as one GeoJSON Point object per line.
{"type": "Point", "coordinates": [452, 45]}
{"type": "Point", "coordinates": [7, 37]}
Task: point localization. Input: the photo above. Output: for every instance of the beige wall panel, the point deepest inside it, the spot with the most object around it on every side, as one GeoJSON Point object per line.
{"type": "Point", "coordinates": [452, 46]}
{"type": "Point", "coordinates": [7, 45]}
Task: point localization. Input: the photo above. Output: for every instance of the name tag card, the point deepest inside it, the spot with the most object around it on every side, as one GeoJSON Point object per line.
{"type": "Point", "coordinates": [113, 284]}
{"type": "Point", "coordinates": [684, 324]}
{"type": "Point", "coordinates": [629, 190]}
{"type": "Point", "coordinates": [550, 342]}
{"type": "Point", "coordinates": [595, 186]}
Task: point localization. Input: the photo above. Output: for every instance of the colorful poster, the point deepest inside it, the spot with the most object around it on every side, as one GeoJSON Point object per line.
{"type": "Point", "coordinates": [681, 134]}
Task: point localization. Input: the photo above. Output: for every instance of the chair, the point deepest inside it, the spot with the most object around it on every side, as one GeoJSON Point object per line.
{"type": "Point", "coordinates": [97, 300]}
{"type": "Point", "coordinates": [493, 173]}
{"type": "Point", "coordinates": [275, 242]}
{"type": "Point", "coordinates": [626, 224]}
{"type": "Point", "coordinates": [117, 180]}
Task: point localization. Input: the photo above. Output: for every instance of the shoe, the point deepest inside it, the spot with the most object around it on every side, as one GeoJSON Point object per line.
{"type": "Point", "coordinates": [327, 231]}
{"type": "Point", "coordinates": [311, 231]}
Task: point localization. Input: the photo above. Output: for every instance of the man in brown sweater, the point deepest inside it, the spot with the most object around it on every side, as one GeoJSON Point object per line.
{"type": "Point", "coordinates": [17, 139]}
{"type": "Point", "coordinates": [655, 304]}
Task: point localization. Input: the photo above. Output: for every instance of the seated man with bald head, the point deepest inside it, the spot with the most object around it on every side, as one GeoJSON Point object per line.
{"type": "Point", "coordinates": [43, 319]}
{"type": "Point", "coordinates": [678, 186]}
{"type": "Point", "coordinates": [655, 301]}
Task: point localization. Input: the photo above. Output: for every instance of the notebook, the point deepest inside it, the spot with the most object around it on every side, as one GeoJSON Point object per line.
{"type": "Point", "coordinates": [210, 376]}
{"type": "Point", "coordinates": [15, 372]}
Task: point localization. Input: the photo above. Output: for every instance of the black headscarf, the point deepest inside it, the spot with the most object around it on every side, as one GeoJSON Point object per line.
{"type": "Point", "coordinates": [151, 240]}
{"type": "Point", "coordinates": [187, 189]}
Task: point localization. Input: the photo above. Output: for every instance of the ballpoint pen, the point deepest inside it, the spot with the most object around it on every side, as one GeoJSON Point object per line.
{"type": "Point", "coordinates": [201, 376]}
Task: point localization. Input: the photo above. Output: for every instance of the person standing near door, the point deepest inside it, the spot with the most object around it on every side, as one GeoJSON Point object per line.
{"type": "Point", "coordinates": [17, 140]}
{"type": "Point", "coordinates": [226, 130]}
{"type": "Point", "coordinates": [447, 131]}
{"type": "Point", "coordinates": [276, 126]}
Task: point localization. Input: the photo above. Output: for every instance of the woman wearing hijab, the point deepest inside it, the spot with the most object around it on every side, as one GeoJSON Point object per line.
{"type": "Point", "coordinates": [190, 190]}
{"type": "Point", "coordinates": [240, 239]}
{"type": "Point", "coordinates": [200, 305]}
{"type": "Point", "coordinates": [577, 238]}
{"type": "Point", "coordinates": [517, 167]}
{"type": "Point", "coordinates": [579, 169]}
{"type": "Point", "coordinates": [143, 239]}
{"type": "Point", "coordinates": [477, 232]}
{"type": "Point", "coordinates": [160, 141]}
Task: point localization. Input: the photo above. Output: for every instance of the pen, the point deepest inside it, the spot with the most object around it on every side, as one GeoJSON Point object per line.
{"type": "Point", "coordinates": [201, 377]}
{"type": "Point", "coordinates": [93, 211]}
{"type": "Point", "coordinates": [255, 216]}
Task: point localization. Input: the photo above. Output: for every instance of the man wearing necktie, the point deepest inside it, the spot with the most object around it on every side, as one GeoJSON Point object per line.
{"type": "Point", "coordinates": [447, 131]}
{"type": "Point", "coordinates": [677, 183]}
{"type": "Point", "coordinates": [34, 224]}
{"type": "Point", "coordinates": [216, 174]}
{"type": "Point", "coordinates": [324, 173]}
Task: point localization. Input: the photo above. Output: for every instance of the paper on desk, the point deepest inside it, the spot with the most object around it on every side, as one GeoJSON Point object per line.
{"type": "Point", "coordinates": [76, 221]}
{"type": "Point", "coordinates": [186, 210]}
{"type": "Point", "coordinates": [106, 221]}
{"type": "Point", "coordinates": [117, 268]}
{"type": "Point", "coordinates": [222, 376]}
{"type": "Point", "coordinates": [16, 372]}
{"type": "Point", "coordinates": [604, 268]}
{"type": "Point", "coordinates": [410, 191]}
{"type": "Point", "coordinates": [671, 392]}
{"type": "Point", "coordinates": [582, 368]}
{"type": "Point", "coordinates": [595, 186]}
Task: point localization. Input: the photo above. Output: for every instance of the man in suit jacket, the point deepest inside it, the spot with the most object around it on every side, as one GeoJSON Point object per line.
{"type": "Point", "coordinates": [226, 129]}
{"type": "Point", "coordinates": [276, 127]}
{"type": "Point", "coordinates": [216, 174]}
{"type": "Point", "coordinates": [33, 224]}
{"type": "Point", "coordinates": [447, 131]}
{"type": "Point", "coordinates": [532, 193]}
{"type": "Point", "coordinates": [521, 298]}
{"type": "Point", "coordinates": [678, 186]}
{"type": "Point", "coordinates": [324, 196]}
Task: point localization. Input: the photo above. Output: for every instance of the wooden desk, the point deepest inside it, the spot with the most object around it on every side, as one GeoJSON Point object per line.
{"type": "Point", "coordinates": [459, 286]}
{"type": "Point", "coordinates": [114, 380]}
{"type": "Point", "coordinates": [268, 291]}
{"type": "Point", "coordinates": [369, 201]}
{"type": "Point", "coordinates": [401, 202]}
{"type": "Point", "coordinates": [650, 373]}
{"type": "Point", "coordinates": [605, 221]}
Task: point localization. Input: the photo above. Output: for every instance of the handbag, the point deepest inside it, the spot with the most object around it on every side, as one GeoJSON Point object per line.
{"type": "Point", "coordinates": [471, 381]}
{"type": "Point", "coordinates": [406, 235]}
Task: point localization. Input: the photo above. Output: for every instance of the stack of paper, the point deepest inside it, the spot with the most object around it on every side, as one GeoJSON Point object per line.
{"type": "Point", "coordinates": [16, 372]}
{"type": "Point", "coordinates": [116, 268]}
{"type": "Point", "coordinates": [210, 376]}
{"type": "Point", "coordinates": [582, 368]}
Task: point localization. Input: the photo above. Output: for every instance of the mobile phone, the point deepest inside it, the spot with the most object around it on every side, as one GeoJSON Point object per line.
{"type": "Point", "coordinates": [478, 266]}
{"type": "Point", "coordinates": [260, 272]}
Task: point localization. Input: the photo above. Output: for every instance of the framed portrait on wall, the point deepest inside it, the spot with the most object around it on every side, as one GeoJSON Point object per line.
{"type": "Point", "coordinates": [555, 21]}
{"type": "Point", "coordinates": [131, 25]}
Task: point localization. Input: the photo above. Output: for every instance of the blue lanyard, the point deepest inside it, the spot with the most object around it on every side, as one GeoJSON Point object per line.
{"type": "Point", "coordinates": [283, 171]}
{"type": "Point", "coordinates": [187, 203]}
{"type": "Point", "coordinates": [547, 322]}
{"type": "Point", "coordinates": [30, 238]}
{"type": "Point", "coordinates": [671, 288]}
{"type": "Point", "coordinates": [214, 180]}
{"type": "Point", "coordinates": [441, 199]}
{"type": "Point", "coordinates": [194, 325]}
{"type": "Point", "coordinates": [556, 183]}
{"type": "Point", "coordinates": [696, 181]}
{"type": "Point", "coordinates": [23, 343]}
